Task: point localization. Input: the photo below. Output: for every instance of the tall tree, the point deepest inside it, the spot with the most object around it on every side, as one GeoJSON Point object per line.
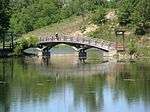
{"type": "Point", "coordinates": [4, 19]}
{"type": "Point", "coordinates": [141, 17]}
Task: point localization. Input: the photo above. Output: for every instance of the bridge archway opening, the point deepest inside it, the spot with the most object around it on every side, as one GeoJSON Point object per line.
{"type": "Point", "coordinates": [94, 54]}
{"type": "Point", "coordinates": [67, 48]}
{"type": "Point", "coordinates": [63, 49]}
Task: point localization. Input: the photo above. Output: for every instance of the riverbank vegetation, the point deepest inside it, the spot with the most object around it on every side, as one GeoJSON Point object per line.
{"type": "Point", "coordinates": [94, 18]}
{"type": "Point", "coordinates": [24, 43]}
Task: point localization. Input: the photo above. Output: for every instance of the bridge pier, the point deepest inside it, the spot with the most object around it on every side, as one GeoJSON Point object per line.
{"type": "Point", "coordinates": [46, 52]}
{"type": "Point", "coordinates": [82, 55]}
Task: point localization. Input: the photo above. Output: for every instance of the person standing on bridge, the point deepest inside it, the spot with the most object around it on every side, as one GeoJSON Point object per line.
{"type": "Point", "coordinates": [56, 35]}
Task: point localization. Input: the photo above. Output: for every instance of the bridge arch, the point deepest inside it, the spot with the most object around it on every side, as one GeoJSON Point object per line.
{"type": "Point", "coordinates": [81, 44]}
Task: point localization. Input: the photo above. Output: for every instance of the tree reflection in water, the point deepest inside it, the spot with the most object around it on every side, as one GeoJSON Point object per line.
{"type": "Point", "coordinates": [31, 86]}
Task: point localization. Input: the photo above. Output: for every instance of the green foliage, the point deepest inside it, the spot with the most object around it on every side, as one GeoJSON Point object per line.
{"type": "Point", "coordinates": [141, 17]}
{"type": "Point", "coordinates": [139, 30]}
{"type": "Point", "coordinates": [124, 18]}
{"type": "Point", "coordinates": [125, 11]}
{"type": "Point", "coordinates": [144, 51]}
{"type": "Point", "coordinates": [18, 49]}
{"type": "Point", "coordinates": [4, 17]}
{"type": "Point", "coordinates": [105, 31]}
{"type": "Point", "coordinates": [28, 15]}
{"type": "Point", "coordinates": [99, 16]}
{"type": "Point", "coordinates": [34, 16]}
{"type": "Point", "coordinates": [136, 13]}
{"type": "Point", "coordinates": [21, 22]}
{"type": "Point", "coordinates": [25, 42]}
{"type": "Point", "coordinates": [132, 47]}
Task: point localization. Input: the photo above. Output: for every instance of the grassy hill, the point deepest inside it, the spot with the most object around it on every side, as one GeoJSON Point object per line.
{"type": "Point", "coordinates": [66, 27]}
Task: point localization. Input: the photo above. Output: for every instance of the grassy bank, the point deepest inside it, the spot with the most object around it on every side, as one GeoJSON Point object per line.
{"type": "Point", "coordinates": [67, 26]}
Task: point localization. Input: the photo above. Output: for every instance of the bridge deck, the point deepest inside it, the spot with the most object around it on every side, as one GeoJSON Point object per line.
{"type": "Point", "coordinates": [99, 44]}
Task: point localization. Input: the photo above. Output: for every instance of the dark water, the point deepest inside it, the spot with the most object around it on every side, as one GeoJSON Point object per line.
{"type": "Point", "coordinates": [65, 85]}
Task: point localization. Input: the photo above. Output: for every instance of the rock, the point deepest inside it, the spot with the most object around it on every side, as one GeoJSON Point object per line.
{"type": "Point", "coordinates": [111, 15]}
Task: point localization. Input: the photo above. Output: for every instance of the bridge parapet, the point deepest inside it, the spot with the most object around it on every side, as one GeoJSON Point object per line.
{"type": "Point", "coordinates": [100, 44]}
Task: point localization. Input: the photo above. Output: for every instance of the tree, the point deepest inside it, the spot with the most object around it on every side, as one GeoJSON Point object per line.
{"type": "Point", "coordinates": [36, 15]}
{"type": "Point", "coordinates": [132, 47]}
{"type": "Point", "coordinates": [4, 19]}
{"type": "Point", "coordinates": [141, 17]}
{"type": "Point", "coordinates": [135, 13]}
{"type": "Point", "coordinates": [125, 11]}
{"type": "Point", "coordinates": [99, 16]}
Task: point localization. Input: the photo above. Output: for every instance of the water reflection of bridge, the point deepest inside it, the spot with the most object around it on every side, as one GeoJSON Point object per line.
{"type": "Point", "coordinates": [56, 67]}
{"type": "Point", "coordinates": [81, 70]}
{"type": "Point", "coordinates": [64, 66]}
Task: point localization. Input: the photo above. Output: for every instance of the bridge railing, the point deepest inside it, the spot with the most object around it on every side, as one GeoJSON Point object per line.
{"type": "Point", "coordinates": [80, 40]}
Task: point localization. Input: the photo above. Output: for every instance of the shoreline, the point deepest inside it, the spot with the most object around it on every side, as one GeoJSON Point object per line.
{"type": "Point", "coordinates": [111, 59]}
{"type": "Point", "coordinates": [6, 53]}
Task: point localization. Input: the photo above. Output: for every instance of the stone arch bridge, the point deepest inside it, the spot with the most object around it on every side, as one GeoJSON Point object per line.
{"type": "Point", "coordinates": [81, 44]}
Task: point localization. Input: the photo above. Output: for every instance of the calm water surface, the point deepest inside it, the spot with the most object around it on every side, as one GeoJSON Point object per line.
{"type": "Point", "coordinates": [63, 84]}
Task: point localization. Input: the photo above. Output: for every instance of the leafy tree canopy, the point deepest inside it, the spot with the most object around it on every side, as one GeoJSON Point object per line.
{"type": "Point", "coordinates": [4, 17]}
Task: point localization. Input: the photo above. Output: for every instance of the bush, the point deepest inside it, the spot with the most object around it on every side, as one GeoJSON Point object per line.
{"type": "Point", "coordinates": [18, 49]}
{"type": "Point", "coordinates": [132, 47]}
{"type": "Point", "coordinates": [24, 43]}
{"type": "Point", "coordinates": [140, 30]}
{"type": "Point", "coordinates": [124, 18]}
{"type": "Point", "coordinates": [99, 16]}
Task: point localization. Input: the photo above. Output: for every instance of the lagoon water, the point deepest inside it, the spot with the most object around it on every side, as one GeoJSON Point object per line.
{"type": "Point", "coordinates": [63, 84]}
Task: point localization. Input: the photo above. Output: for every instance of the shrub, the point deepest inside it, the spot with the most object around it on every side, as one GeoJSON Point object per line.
{"type": "Point", "coordinates": [132, 47]}
{"type": "Point", "coordinates": [99, 16]}
{"type": "Point", "coordinates": [124, 18]}
{"type": "Point", "coordinates": [25, 42]}
{"type": "Point", "coordinates": [139, 30]}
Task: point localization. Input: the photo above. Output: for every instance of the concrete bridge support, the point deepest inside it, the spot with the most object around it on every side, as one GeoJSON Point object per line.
{"type": "Point", "coordinates": [46, 52]}
{"type": "Point", "coordinates": [82, 55]}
